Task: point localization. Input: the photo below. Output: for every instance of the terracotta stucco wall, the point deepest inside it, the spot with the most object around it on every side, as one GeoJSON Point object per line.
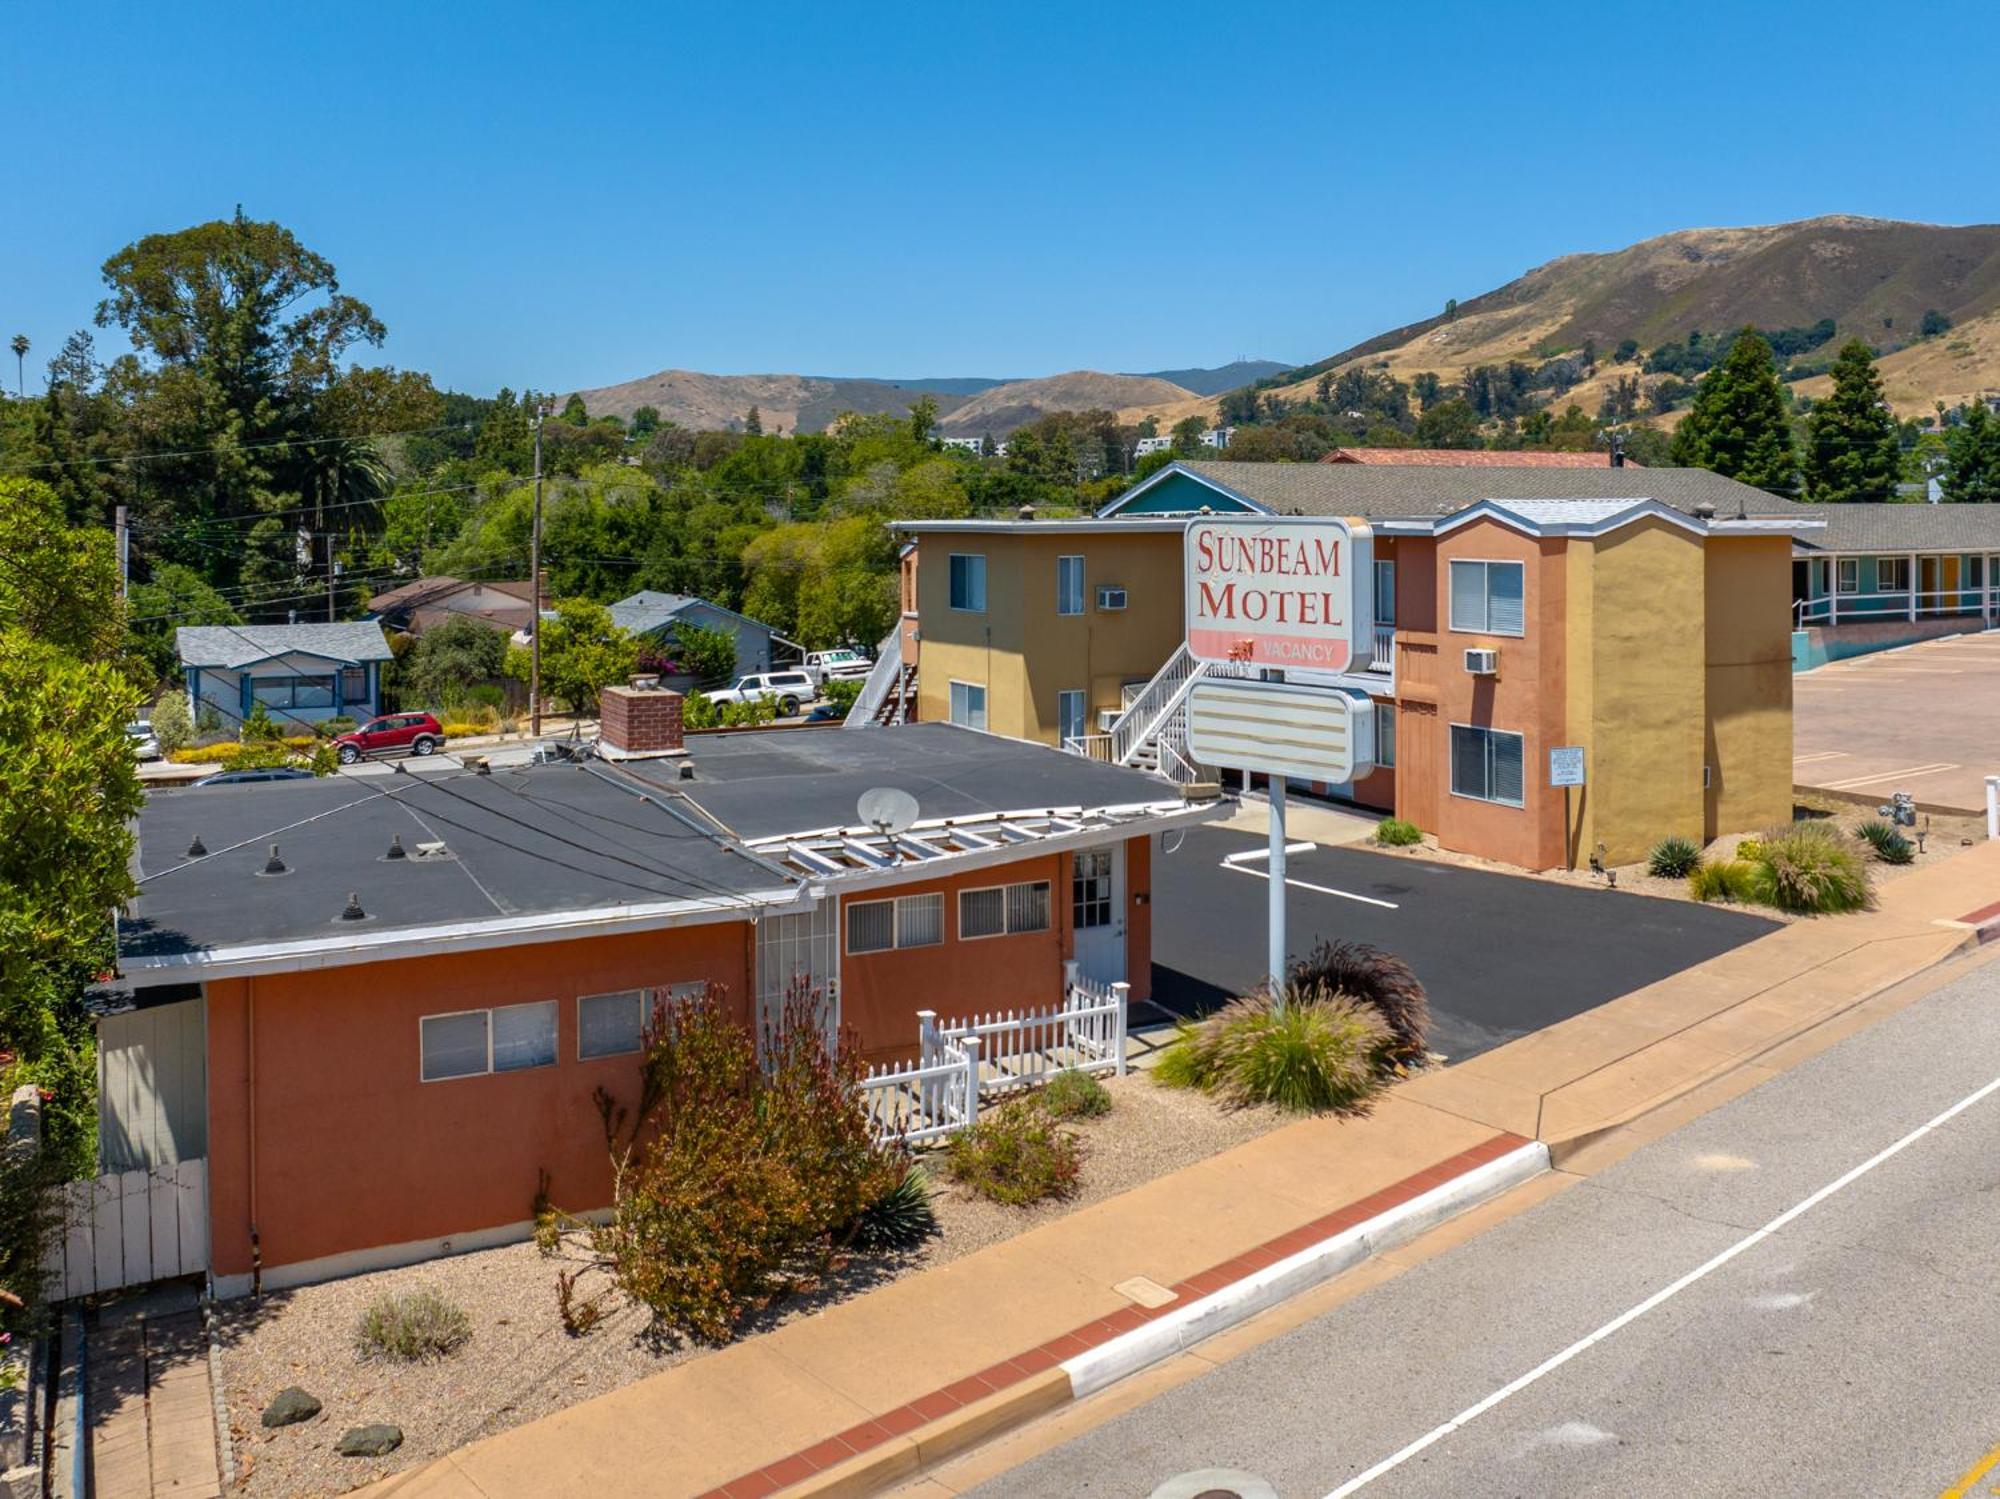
{"type": "Point", "coordinates": [1749, 683]}
{"type": "Point", "coordinates": [352, 1150]}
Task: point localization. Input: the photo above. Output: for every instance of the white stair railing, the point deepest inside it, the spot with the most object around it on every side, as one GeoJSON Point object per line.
{"type": "Point", "coordinates": [883, 678]}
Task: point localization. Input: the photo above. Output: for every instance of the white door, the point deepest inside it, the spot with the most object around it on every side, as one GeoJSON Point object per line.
{"type": "Point", "coordinates": [1097, 912]}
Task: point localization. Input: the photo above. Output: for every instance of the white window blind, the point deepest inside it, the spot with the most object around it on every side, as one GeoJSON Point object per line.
{"type": "Point", "coordinates": [524, 1036]}
{"type": "Point", "coordinates": [1486, 598]}
{"type": "Point", "coordinates": [454, 1045]}
{"type": "Point", "coordinates": [982, 913]}
{"type": "Point", "coordinates": [1069, 585]}
{"type": "Point", "coordinates": [610, 1025]}
{"type": "Point", "coordinates": [1486, 765]}
{"type": "Point", "coordinates": [1028, 907]}
{"type": "Point", "coordinates": [919, 920]}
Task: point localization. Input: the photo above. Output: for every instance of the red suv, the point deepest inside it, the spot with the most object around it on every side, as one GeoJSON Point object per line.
{"type": "Point", "coordinates": [418, 733]}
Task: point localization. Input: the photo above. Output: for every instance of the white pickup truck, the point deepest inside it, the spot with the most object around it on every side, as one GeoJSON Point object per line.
{"type": "Point", "coordinates": [836, 666]}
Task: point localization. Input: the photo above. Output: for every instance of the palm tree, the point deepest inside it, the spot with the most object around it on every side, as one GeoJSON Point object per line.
{"type": "Point", "coordinates": [19, 344]}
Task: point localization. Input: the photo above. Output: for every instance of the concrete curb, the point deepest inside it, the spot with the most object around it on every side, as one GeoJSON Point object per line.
{"type": "Point", "coordinates": [1263, 1289]}
{"type": "Point", "coordinates": [1166, 1335]}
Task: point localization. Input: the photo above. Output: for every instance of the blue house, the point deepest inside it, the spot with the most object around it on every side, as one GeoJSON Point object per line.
{"type": "Point", "coordinates": [1885, 575]}
{"type": "Point", "coordinates": [301, 674]}
{"type": "Point", "coordinates": [652, 617]}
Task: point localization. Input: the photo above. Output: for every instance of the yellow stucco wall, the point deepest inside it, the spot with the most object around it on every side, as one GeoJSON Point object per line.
{"type": "Point", "coordinates": [1749, 656]}
{"type": "Point", "coordinates": [1646, 656]}
{"type": "Point", "coordinates": [1020, 649]}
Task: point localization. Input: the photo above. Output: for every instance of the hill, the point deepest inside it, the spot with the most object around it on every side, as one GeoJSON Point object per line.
{"type": "Point", "coordinates": [1003, 408]}
{"type": "Point", "coordinates": [1213, 382]}
{"type": "Point", "coordinates": [1875, 278]}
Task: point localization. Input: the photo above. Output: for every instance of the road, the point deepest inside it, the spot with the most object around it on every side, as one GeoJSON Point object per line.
{"type": "Point", "coordinates": [1635, 1336]}
{"type": "Point", "coordinates": [1501, 955]}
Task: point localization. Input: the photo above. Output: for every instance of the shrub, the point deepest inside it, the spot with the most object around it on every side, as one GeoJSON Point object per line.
{"type": "Point", "coordinates": [748, 1167]}
{"type": "Point", "coordinates": [1727, 879]}
{"type": "Point", "coordinates": [173, 725]}
{"type": "Point", "coordinates": [1074, 1095]}
{"type": "Point", "coordinates": [901, 1218]}
{"type": "Point", "coordinates": [459, 729]}
{"type": "Point", "coordinates": [1017, 1155]}
{"type": "Point", "coordinates": [1750, 849]}
{"type": "Point", "coordinates": [258, 727]}
{"type": "Point", "coordinates": [1673, 858]}
{"type": "Point", "coordinates": [1394, 832]}
{"type": "Point", "coordinates": [1890, 846]}
{"type": "Point", "coordinates": [1811, 868]}
{"type": "Point", "coordinates": [1317, 1051]}
{"type": "Point", "coordinates": [1378, 979]}
{"type": "Point", "coordinates": [415, 1327]}
{"type": "Point", "coordinates": [842, 692]}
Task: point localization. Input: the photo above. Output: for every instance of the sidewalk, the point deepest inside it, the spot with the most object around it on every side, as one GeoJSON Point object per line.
{"type": "Point", "coordinates": [932, 1363]}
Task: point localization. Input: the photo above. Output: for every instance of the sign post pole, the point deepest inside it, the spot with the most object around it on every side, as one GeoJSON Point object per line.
{"type": "Point", "coordinates": [1277, 872]}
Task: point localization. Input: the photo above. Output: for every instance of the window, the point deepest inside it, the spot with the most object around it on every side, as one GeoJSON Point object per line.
{"type": "Point", "coordinates": [1486, 597]}
{"type": "Point", "coordinates": [1975, 572]}
{"type": "Point", "coordinates": [1892, 574]}
{"type": "Point", "coordinates": [610, 1025]}
{"type": "Point", "coordinates": [1069, 585]}
{"type": "Point", "coordinates": [1486, 765]}
{"type": "Point", "coordinates": [906, 921]}
{"type": "Point", "coordinates": [1385, 735]}
{"type": "Point", "coordinates": [293, 692]}
{"type": "Point", "coordinates": [1090, 889]}
{"type": "Point", "coordinates": [1072, 708]}
{"type": "Point", "coordinates": [968, 582]}
{"type": "Point", "coordinates": [354, 684]}
{"type": "Point", "coordinates": [1001, 910]}
{"type": "Point", "coordinates": [1385, 593]}
{"type": "Point", "coordinates": [1847, 574]}
{"type": "Point", "coordinates": [470, 1043]}
{"type": "Point", "coordinates": [968, 704]}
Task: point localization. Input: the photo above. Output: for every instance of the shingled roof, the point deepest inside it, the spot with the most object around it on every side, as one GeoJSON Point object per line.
{"type": "Point", "coordinates": [241, 645]}
{"type": "Point", "coordinates": [1468, 458]}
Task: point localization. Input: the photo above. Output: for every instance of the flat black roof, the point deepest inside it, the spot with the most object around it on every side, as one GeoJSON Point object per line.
{"type": "Point", "coordinates": [520, 842]}
{"type": "Point", "coordinates": [761, 783]}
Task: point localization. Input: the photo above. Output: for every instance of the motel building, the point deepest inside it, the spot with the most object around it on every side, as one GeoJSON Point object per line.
{"type": "Point", "coordinates": [356, 1018]}
{"type": "Point", "coordinates": [1642, 616]}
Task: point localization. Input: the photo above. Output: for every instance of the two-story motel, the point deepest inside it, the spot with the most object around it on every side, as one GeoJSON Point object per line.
{"type": "Point", "coordinates": [1642, 615]}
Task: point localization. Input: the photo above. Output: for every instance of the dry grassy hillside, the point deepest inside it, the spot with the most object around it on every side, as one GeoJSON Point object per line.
{"type": "Point", "coordinates": [1005, 407]}
{"type": "Point", "coordinates": [788, 403]}
{"type": "Point", "coordinates": [1876, 278]}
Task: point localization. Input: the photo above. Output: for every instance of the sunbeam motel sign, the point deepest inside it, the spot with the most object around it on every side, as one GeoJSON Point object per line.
{"type": "Point", "coordinates": [1287, 594]}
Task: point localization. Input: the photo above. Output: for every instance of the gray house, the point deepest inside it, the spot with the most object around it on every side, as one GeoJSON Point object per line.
{"type": "Point", "coordinates": [300, 673]}
{"type": "Point", "coordinates": [652, 616]}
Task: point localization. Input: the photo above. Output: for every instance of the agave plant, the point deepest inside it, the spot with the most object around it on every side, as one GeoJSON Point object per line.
{"type": "Point", "coordinates": [1890, 846]}
{"type": "Point", "coordinates": [1673, 858]}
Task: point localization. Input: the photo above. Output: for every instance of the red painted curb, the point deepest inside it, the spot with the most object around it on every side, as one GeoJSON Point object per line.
{"type": "Point", "coordinates": [907, 1417]}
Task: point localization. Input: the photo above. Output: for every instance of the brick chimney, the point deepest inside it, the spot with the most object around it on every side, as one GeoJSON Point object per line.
{"type": "Point", "coordinates": [639, 721]}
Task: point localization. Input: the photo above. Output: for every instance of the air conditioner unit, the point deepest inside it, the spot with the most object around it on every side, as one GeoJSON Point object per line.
{"type": "Point", "coordinates": [1110, 598]}
{"type": "Point", "coordinates": [1482, 663]}
{"type": "Point", "coordinates": [1106, 717]}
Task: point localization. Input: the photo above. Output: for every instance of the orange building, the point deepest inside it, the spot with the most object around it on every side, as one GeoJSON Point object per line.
{"type": "Point", "coordinates": [379, 1007]}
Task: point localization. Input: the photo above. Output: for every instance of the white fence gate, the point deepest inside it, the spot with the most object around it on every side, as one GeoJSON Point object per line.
{"type": "Point", "coordinates": [961, 1062]}
{"type": "Point", "coordinates": [130, 1228]}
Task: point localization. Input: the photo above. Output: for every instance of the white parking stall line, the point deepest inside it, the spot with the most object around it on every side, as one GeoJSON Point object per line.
{"type": "Point", "coordinates": [1265, 874]}
{"type": "Point", "coordinates": [1818, 755]}
{"type": "Point", "coordinates": [1908, 772]}
{"type": "Point", "coordinates": [1252, 855]}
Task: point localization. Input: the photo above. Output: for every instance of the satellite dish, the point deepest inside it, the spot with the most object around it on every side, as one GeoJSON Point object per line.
{"type": "Point", "coordinates": [888, 810]}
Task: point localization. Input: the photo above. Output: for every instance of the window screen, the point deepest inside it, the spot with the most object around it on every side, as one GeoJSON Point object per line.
{"type": "Point", "coordinates": [524, 1036]}
{"type": "Point", "coordinates": [454, 1045]}
{"type": "Point", "coordinates": [982, 913]}
{"type": "Point", "coordinates": [919, 920]}
{"type": "Point", "coordinates": [609, 1025]}
{"type": "Point", "coordinates": [1028, 907]}
{"type": "Point", "coordinates": [871, 925]}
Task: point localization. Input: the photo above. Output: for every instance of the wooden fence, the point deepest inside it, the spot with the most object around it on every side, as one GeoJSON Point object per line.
{"type": "Point", "coordinates": [130, 1228]}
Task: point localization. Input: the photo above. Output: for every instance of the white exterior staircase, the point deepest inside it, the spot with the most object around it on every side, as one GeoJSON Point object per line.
{"type": "Point", "coordinates": [1151, 732]}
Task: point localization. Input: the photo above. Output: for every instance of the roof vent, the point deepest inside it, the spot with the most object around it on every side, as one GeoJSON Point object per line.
{"type": "Point", "coordinates": [395, 847]}
{"type": "Point", "coordinates": [479, 765]}
{"type": "Point", "coordinates": [1705, 510]}
{"type": "Point", "coordinates": [687, 770]}
{"type": "Point", "coordinates": [352, 911]}
{"type": "Point", "coordinates": [1026, 512]}
{"type": "Point", "coordinates": [645, 681]}
{"type": "Point", "coordinates": [434, 850]}
{"type": "Point", "coordinates": [274, 864]}
{"type": "Point", "coordinates": [196, 849]}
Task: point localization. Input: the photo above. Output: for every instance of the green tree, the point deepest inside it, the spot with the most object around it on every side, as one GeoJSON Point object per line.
{"type": "Point", "coordinates": [173, 724]}
{"type": "Point", "coordinates": [645, 422]}
{"type": "Point", "coordinates": [582, 651]}
{"type": "Point", "coordinates": [20, 345]}
{"type": "Point", "coordinates": [1851, 449]}
{"type": "Point", "coordinates": [1187, 435]}
{"type": "Point", "coordinates": [451, 657]}
{"type": "Point", "coordinates": [1449, 424]}
{"type": "Point", "coordinates": [1972, 458]}
{"type": "Point", "coordinates": [1737, 425]}
{"type": "Point", "coordinates": [704, 654]}
{"type": "Point", "coordinates": [923, 418]}
{"type": "Point", "coordinates": [575, 413]}
{"type": "Point", "coordinates": [58, 584]}
{"type": "Point", "coordinates": [175, 596]}
{"type": "Point", "coordinates": [753, 423]}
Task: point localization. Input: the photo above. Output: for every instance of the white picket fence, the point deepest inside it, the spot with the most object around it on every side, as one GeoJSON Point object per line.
{"type": "Point", "coordinates": [130, 1228]}
{"type": "Point", "coordinates": [961, 1062]}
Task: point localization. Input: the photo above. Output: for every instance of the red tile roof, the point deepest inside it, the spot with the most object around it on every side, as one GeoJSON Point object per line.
{"type": "Point", "coordinates": [1469, 458]}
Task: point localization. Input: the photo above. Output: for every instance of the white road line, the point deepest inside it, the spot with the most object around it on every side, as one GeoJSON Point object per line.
{"type": "Point", "coordinates": [1908, 772]}
{"type": "Point", "coordinates": [1252, 855]}
{"type": "Point", "coordinates": [1366, 900]}
{"type": "Point", "coordinates": [1666, 1293]}
{"type": "Point", "coordinates": [1819, 755]}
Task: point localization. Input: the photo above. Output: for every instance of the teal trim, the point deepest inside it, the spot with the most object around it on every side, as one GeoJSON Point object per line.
{"type": "Point", "coordinates": [244, 692]}
{"type": "Point", "coordinates": [1178, 493]}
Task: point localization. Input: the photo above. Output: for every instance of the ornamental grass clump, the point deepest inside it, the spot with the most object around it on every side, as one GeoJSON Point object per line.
{"type": "Point", "coordinates": [1673, 858]}
{"type": "Point", "coordinates": [1312, 1052]}
{"type": "Point", "coordinates": [1727, 879]}
{"type": "Point", "coordinates": [1380, 980]}
{"type": "Point", "coordinates": [413, 1327]}
{"type": "Point", "coordinates": [1812, 869]}
{"type": "Point", "coordinates": [901, 1218]}
{"type": "Point", "coordinates": [1394, 832]}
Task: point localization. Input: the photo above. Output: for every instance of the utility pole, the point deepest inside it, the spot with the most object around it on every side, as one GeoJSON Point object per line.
{"type": "Point", "coordinates": [123, 533]}
{"type": "Point", "coordinates": [535, 589]}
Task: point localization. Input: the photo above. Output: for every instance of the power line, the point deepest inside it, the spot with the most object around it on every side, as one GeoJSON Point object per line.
{"type": "Point", "coordinates": [245, 447]}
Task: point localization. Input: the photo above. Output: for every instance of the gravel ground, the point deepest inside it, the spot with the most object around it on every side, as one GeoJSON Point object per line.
{"type": "Point", "coordinates": [520, 1364]}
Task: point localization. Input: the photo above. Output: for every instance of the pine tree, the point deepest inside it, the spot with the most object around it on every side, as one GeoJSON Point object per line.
{"type": "Point", "coordinates": [1972, 458]}
{"type": "Point", "coordinates": [753, 424]}
{"type": "Point", "coordinates": [1851, 451]}
{"type": "Point", "coordinates": [1737, 425]}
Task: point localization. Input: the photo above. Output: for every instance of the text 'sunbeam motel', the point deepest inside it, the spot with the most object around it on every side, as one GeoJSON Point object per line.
{"type": "Point", "coordinates": [1281, 592]}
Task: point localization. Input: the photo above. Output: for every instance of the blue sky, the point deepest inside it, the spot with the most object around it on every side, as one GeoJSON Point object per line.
{"type": "Point", "coordinates": [567, 196]}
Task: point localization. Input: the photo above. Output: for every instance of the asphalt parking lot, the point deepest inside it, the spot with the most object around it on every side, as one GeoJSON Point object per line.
{"type": "Point", "coordinates": [1923, 719]}
{"type": "Point", "coordinates": [1502, 955]}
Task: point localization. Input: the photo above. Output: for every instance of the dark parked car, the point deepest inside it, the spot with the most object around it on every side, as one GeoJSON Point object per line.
{"type": "Point", "coordinates": [270, 773]}
{"type": "Point", "coordinates": [418, 733]}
